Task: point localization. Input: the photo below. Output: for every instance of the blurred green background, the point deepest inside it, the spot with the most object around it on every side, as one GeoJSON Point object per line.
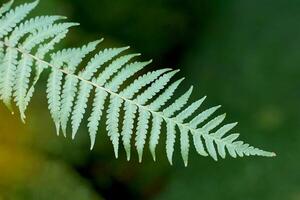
{"type": "Point", "coordinates": [243, 55]}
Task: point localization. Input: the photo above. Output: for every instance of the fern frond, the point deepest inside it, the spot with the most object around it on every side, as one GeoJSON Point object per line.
{"type": "Point", "coordinates": [128, 125]}
{"type": "Point", "coordinates": [5, 7]}
{"type": "Point", "coordinates": [7, 75]}
{"type": "Point", "coordinates": [162, 99]}
{"type": "Point", "coordinates": [140, 105]}
{"type": "Point", "coordinates": [189, 110]}
{"type": "Point", "coordinates": [154, 136]}
{"type": "Point", "coordinates": [141, 132]}
{"type": "Point", "coordinates": [96, 63]}
{"type": "Point", "coordinates": [171, 136]}
{"type": "Point", "coordinates": [154, 88]}
{"type": "Point", "coordinates": [70, 86]}
{"type": "Point", "coordinates": [178, 104]}
{"type": "Point", "coordinates": [141, 82]}
{"type": "Point", "coordinates": [112, 122]}
{"type": "Point", "coordinates": [184, 144]}
{"type": "Point", "coordinates": [96, 114]}
{"type": "Point", "coordinates": [13, 17]}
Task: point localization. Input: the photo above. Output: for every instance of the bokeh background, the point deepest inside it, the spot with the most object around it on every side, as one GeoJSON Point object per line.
{"type": "Point", "coordinates": [243, 55]}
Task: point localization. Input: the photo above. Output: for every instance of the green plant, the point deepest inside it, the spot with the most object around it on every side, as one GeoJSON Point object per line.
{"type": "Point", "coordinates": [144, 100]}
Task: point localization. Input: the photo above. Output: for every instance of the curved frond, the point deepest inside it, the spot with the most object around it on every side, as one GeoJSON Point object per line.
{"type": "Point", "coordinates": [138, 105]}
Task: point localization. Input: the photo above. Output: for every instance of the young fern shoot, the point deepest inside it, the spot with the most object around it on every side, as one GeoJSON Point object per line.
{"type": "Point", "coordinates": [111, 75]}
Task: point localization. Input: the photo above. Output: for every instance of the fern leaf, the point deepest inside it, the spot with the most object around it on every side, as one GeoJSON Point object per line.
{"type": "Point", "coordinates": [113, 121]}
{"type": "Point", "coordinates": [154, 135]}
{"type": "Point", "coordinates": [84, 89]}
{"type": "Point", "coordinates": [24, 68]}
{"type": "Point", "coordinates": [69, 88]}
{"type": "Point", "coordinates": [76, 55]}
{"type": "Point", "coordinates": [229, 140]}
{"type": "Point", "coordinates": [155, 87]}
{"type": "Point", "coordinates": [68, 96]}
{"type": "Point", "coordinates": [40, 64]}
{"type": "Point", "coordinates": [54, 85]}
{"type": "Point", "coordinates": [99, 59]}
{"type": "Point", "coordinates": [141, 132]}
{"type": "Point", "coordinates": [194, 123]}
{"type": "Point", "coordinates": [199, 144]}
{"type": "Point", "coordinates": [7, 75]}
{"type": "Point", "coordinates": [80, 106]}
{"type": "Point", "coordinates": [30, 26]}
{"type": "Point", "coordinates": [142, 81]}
{"type": "Point", "coordinates": [184, 144]}
{"type": "Point", "coordinates": [43, 50]}
{"type": "Point", "coordinates": [113, 68]}
{"type": "Point", "coordinates": [223, 130]}
{"type": "Point", "coordinates": [147, 100]}
{"type": "Point", "coordinates": [10, 58]}
{"type": "Point", "coordinates": [210, 146]}
{"type": "Point", "coordinates": [23, 72]}
{"type": "Point", "coordinates": [124, 74]}
{"type": "Point", "coordinates": [213, 123]}
{"type": "Point", "coordinates": [53, 95]}
{"type": "Point", "coordinates": [171, 136]}
{"type": "Point", "coordinates": [221, 149]}
{"type": "Point", "coordinates": [13, 17]}
{"type": "Point", "coordinates": [165, 96]}
{"type": "Point", "coordinates": [128, 125]}
{"type": "Point", "coordinates": [84, 92]}
{"type": "Point", "coordinates": [189, 110]}
{"type": "Point", "coordinates": [5, 7]}
{"type": "Point", "coordinates": [178, 104]}
{"type": "Point", "coordinates": [96, 114]}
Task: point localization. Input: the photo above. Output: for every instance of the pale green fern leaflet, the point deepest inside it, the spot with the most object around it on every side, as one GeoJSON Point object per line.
{"type": "Point", "coordinates": [110, 77]}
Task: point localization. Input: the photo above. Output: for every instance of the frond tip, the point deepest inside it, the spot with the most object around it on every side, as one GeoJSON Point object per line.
{"type": "Point", "coordinates": [137, 105]}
